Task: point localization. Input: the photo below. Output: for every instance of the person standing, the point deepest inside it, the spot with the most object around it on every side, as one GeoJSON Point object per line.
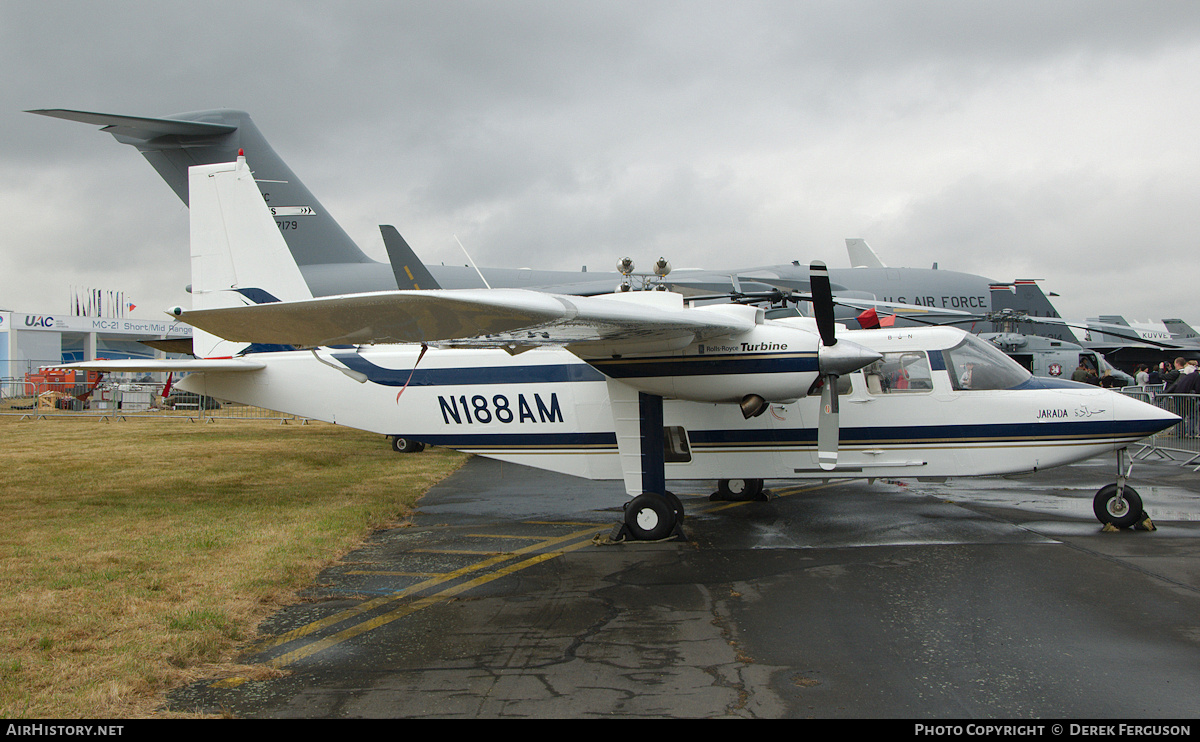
{"type": "Point", "coordinates": [1081, 373]}
{"type": "Point", "coordinates": [1189, 384]}
{"type": "Point", "coordinates": [1173, 375]}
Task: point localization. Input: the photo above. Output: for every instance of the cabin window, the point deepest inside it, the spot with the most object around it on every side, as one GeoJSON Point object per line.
{"type": "Point", "coordinates": [899, 373]}
{"type": "Point", "coordinates": [976, 364]}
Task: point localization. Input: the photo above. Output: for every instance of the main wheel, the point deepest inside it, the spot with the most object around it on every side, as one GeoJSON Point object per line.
{"type": "Point", "coordinates": [676, 505]}
{"type": "Point", "coordinates": [739, 489]}
{"type": "Point", "coordinates": [650, 517]}
{"type": "Point", "coordinates": [1122, 514]}
{"type": "Point", "coordinates": [400, 444]}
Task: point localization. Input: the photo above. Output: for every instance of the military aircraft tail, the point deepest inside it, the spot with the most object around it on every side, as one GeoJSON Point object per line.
{"type": "Point", "coordinates": [175, 143]}
{"type": "Point", "coordinates": [1181, 331]}
{"type": "Point", "coordinates": [1025, 297]}
{"type": "Point", "coordinates": [861, 254]}
{"type": "Point", "coordinates": [410, 272]}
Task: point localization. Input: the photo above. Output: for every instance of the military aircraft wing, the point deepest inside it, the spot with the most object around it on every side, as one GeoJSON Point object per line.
{"type": "Point", "coordinates": [510, 318]}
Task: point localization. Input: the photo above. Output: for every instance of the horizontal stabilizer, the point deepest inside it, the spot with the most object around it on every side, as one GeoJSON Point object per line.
{"type": "Point", "coordinates": [137, 127]}
{"type": "Point", "coordinates": [173, 144]}
{"type": "Point", "coordinates": [166, 364]}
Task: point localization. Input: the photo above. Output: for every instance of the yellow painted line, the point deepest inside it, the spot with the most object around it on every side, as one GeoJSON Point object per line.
{"type": "Point", "coordinates": [375, 603]}
{"type": "Point", "coordinates": [469, 552]}
{"type": "Point", "coordinates": [385, 573]}
{"type": "Point", "coordinates": [308, 650]}
{"type": "Point", "coordinates": [506, 535]}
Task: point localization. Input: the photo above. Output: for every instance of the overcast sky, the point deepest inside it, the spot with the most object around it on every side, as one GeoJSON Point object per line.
{"type": "Point", "coordinates": [1052, 140]}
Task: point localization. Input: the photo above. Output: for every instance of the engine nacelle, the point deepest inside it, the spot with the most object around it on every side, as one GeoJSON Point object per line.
{"type": "Point", "coordinates": [773, 362]}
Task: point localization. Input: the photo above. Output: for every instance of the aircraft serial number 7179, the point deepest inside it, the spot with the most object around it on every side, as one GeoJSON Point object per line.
{"type": "Point", "coordinates": [638, 386]}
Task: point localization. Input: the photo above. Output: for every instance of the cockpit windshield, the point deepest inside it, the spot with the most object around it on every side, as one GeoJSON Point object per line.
{"type": "Point", "coordinates": [976, 364]}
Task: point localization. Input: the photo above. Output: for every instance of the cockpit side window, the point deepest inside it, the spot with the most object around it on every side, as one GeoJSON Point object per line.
{"type": "Point", "coordinates": [976, 364]}
{"type": "Point", "coordinates": [899, 373]}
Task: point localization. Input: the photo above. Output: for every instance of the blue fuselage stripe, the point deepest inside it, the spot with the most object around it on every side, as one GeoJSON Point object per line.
{"type": "Point", "coordinates": [899, 436]}
{"type": "Point", "coordinates": [632, 368]}
{"type": "Point", "coordinates": [532, 374]}
{"type": "Point", "coordinates": [592, 371]}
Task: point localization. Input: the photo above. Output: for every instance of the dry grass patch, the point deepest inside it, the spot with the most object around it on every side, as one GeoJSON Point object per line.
{"type": "Point", "coordinates": [136, 556]}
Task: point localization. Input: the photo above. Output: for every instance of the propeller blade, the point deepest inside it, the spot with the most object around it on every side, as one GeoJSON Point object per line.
{"type": "Point", "coordinates": [822, 299]}
{"type": "Point", "coordinates": [827, 425]}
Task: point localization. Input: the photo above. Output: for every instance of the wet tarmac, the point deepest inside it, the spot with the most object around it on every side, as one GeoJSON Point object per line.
{"type": "Point", "coordinates": [997, 598]}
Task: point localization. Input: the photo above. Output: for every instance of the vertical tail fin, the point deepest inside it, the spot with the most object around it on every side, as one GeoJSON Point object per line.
{"type": "Point", "coordinates": [1181, 330]}
{"type": "Point", "coordinates": [1025, 296]}
{"type": "Point", "coordinates": [239, 256]}
{"type": "Point", "coordinates": [861, 254]}
{"type": "Point", "coordinates": [410, 272]}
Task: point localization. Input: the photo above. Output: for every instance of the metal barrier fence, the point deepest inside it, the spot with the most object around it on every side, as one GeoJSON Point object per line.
{"type": "Point", "coordinates": [119, 401]}
{"type": "Point", "coordinates": [1180, 442]}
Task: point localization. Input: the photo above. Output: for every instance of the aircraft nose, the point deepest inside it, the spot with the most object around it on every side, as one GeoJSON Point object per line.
{"type": "Point", "coordinates": [1142, 416]}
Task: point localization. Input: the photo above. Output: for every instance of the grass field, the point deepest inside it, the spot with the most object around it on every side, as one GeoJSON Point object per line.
{"type": "Point", "coordinates": [136, 556]}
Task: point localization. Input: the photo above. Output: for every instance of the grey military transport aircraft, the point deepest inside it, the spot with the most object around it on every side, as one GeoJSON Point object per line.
{"type": "Point", "coordinates": [332, 264]}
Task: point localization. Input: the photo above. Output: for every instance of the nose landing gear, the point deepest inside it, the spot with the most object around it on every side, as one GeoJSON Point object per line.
{"type": "Point", "coordinates": [1118, 505]}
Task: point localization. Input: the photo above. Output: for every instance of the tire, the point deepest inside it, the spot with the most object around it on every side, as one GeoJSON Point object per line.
{"type": "Point", "coordinates": [676, 505]}
{"type": "Point", "coordinates": [739, 489]}
{"type": "Point", "coordinates": [1106, 512]}
{"type": "Point", "coordinates": [400, 444]}
{"type": "Point", "coordinates": [649, 517]}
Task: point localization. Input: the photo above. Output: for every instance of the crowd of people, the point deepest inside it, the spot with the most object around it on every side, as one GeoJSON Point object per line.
{"type": "Point", "coordinates": [1181, 377]}
{"type": "Point", "coordinates": [1178, 378]}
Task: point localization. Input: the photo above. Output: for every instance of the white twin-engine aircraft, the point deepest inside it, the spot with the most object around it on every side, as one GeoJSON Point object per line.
{"type": "Point", "coordinates": [635, 386]}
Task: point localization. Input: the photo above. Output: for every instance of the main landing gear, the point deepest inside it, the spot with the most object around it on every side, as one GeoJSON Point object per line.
{"type": "Point", "coordinates": [739, 490]}
{"type": "Point", "coordinates": [1119, 505]}
{"type": "Point", "coordinates": [400, 444]}
{"type": "Point", "coordinates": [651, 517]}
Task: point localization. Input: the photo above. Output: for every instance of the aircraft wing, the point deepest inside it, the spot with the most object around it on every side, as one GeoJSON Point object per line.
{"type": "Point", "coordinates": [507, 318]}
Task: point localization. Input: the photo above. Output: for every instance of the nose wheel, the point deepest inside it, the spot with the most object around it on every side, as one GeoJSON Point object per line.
{"type": "Point", "coordinates": [1119, 505]}
{"type": "Point", "coordinates": [1119, 511]}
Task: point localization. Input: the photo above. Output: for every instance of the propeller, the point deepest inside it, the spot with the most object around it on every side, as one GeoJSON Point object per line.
{"type": "Point", "coordinates": [822, 299]}
{"type": "Point", "coordinates": [834, 358]}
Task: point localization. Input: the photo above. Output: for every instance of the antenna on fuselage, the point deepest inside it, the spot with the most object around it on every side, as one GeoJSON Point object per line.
{"type": "Point", "coordinates": [481, 278]}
